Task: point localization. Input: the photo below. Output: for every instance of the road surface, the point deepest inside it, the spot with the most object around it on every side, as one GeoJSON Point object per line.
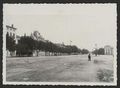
{"type": "Point", "coordinates": [73, 68]}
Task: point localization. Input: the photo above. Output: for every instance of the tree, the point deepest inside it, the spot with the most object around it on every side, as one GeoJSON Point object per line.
{"type": "Point", "coordinates": [39, 41]}
{"type": "Point", "coordinates": [10, 43]}
{"type": "Point", "coordinates": [79, 50]}
{"type": "Point", "coordinates": [95, 52]}
{"type": "Point", "coordinates": [74, 49]}
{"type": "Point", "coordinates": [25, 46]}
{"type": "Point", "coordinates": [101, 51]}
{"type": "Point", "coordinates": [84, 51]}
{"type": "Point", "coordinates": [37, 46]}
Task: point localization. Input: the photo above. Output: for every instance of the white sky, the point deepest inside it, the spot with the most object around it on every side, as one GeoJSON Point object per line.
{"type": "Point", "coordinates": [84, 24]}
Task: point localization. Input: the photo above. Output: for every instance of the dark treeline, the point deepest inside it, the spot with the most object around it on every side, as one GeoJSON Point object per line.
{"type": "Point", "coordinates": [99, 51]}
{"type": "Point", "coordinates": [10, 43]}
{"type": "Point", "coordinates": [27, 45]}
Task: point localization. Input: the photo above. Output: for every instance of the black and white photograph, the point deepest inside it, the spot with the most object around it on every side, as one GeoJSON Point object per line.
{"type": "Point", "coordinates": [60, 44]}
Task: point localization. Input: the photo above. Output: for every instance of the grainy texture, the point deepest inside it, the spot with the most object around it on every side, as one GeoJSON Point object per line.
{"type": "Point", "coordinates": [73, 68]}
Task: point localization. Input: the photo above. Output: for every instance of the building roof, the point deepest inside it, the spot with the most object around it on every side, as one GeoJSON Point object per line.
{"type": "Point", "coordinates": [37, 36]}
{"type": "Point", "coordinates": [108, 46]}
{"type": "Point", "coordinates": [11, 27]}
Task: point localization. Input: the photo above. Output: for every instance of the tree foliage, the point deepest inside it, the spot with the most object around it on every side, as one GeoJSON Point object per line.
{"type": "Point", "coordinates": [99, 51]}
{"type": "Point", "coordinates": [25, 46]}
{"type": "Point", "coordinates": [10, 43]}
{"type": "Point", "coordinates": [84, 51]}
{"type": "Point", "coordinates": [28, 44]}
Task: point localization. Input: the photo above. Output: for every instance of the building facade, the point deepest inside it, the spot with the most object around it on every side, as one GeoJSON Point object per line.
{"type": "Point", "coordinates": [11, 31]}
{"type": "Point", "coordinates": [108, 50]}
{"type": "Point", "coordinates": [37, 36]}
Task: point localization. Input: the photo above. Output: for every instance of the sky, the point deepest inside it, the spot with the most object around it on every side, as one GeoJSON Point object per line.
{"type": "Point", "coordinates": [83, 24]}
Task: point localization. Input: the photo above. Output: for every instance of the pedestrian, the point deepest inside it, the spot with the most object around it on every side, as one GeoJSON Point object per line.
{"type": "Point", "coordinates": [89, 57]}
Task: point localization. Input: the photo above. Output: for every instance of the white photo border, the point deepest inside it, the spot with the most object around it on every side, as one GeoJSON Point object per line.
{"type": "Point", "coordinates": [59, 83]}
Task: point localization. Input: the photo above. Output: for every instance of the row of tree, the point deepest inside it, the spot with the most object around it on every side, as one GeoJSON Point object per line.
{"type": "Point", "coordinates": [27, 45]}
{"type": "Point", "coordinates": [99, 51]}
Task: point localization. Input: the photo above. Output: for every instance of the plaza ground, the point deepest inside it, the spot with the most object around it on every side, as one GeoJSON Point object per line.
{"type": "Point", "coordinates": [72, 68]}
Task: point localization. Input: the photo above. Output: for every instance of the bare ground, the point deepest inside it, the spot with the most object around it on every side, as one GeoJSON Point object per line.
{"type": "Point", "coordinates": [74, 68]}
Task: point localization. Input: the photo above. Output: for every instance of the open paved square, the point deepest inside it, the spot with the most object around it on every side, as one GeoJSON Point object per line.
{"type": "Point", "coordinates": [73, 68]}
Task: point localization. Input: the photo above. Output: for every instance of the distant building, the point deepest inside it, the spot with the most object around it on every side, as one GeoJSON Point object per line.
{"type": "Point", "coordinates": [11, 31]}
{"type": "Point", "coordinates": [37, 36]}
{"type": "Point", "coordinates": [108, 50]}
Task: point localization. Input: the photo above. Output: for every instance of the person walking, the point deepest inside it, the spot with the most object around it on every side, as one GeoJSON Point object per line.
{"type": "Point", "coordinates": [89, 57]}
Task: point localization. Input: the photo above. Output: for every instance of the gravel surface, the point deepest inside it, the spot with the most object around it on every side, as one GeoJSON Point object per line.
{"type": "Point", "coordinates": [73, 68]}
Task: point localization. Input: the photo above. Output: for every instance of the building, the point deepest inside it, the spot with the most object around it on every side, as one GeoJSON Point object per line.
{"type": "Point", "coordinates": [37, 36]}
{"type": "Point", "coordinates": [11, 31]}
{"type": "Point", "coordinates": [108, 50]}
